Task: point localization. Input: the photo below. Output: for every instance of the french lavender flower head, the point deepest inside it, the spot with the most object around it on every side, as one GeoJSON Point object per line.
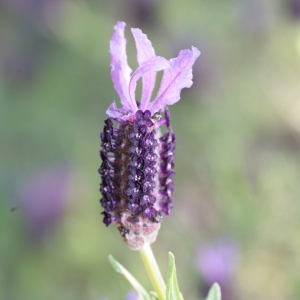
{"type": "Point", "coordinates": [137, 160]}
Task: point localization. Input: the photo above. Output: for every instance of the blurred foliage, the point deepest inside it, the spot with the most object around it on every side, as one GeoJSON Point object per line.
{"type": "Point", "coordinates": [237, 160]}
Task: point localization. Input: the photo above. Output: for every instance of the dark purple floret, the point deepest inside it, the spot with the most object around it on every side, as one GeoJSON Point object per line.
{"type": "Point", "coordinates": [106, 170]}
{"type": "Point", "coordinates": [167, 151]}
{"type": "Point", "coordinates": [107, 218]}
{"type": "Point", "coordinates": [137, 169]}
{"type": "Point", "coordinates": [141, 178]}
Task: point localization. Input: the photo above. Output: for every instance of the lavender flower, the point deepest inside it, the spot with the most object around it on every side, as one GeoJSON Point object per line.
{"type": "Point", "coordinates": [294, 8]}
{"type": "Point", "coordinates": [131, 295]}
{"type": "Point", "coordinates": [216, 263]}
{"type": "Point", "coordinates": [137, 161]}
{"type": "Point", "coordinates": [43, 200]}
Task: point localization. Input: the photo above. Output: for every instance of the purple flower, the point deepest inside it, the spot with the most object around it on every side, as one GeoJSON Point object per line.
{"type": "Point", "coordinates": [131, 295]}
{"type": "Point", "coordinates": [143, 12]}
{"type": "Point", "coordinates": [43, 200]}
{"type": "Point", "coordinates": [216, 263]}
{"type": "Point", "coordinates": [137, 161]}
{"type": "Point", "coordinates": [34, 10]}
{"type": "Point", "coordinates": [294, 8]}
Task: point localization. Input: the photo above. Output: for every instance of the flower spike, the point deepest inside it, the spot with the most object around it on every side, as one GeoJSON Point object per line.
{"type": "Point", "coordinates": [137, 161]}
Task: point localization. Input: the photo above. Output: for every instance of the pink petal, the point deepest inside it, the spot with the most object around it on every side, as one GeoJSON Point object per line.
{"type": "Point", "coordinates": [143, 45]}
{"type": "Point", "coordinates": [177, 77]}
{"type": "Point", "coordinates": [154, 64]}
{"type": "Point", "coordinates": [119, 114]}
{"type": "Point", "coordinates": [144, 52]}
{"type": "Point", "coordinates": [120, 71]}
{"type": "Point", "coordinates": [147, 89]}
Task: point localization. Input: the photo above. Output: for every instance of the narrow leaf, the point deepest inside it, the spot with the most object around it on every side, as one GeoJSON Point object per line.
{"type": "Point", "coordinates": [173, 292]}
{"type": "Point", "coordinates": [143, 295]}
{"type": "Point", "coordinates": [214, 292]}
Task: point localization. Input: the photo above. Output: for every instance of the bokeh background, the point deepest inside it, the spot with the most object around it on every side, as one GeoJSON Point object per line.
{"type": "Point", "coordinates": [236, 208]}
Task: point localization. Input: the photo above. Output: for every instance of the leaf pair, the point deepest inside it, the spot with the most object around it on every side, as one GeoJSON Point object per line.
{"type": "Point", "coordinates": [172, 292]}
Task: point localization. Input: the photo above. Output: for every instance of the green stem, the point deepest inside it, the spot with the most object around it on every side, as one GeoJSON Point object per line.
{"type": "Point", "coordinates": [153, 272]}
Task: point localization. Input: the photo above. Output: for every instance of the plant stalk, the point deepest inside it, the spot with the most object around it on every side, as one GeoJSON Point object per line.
{"type": "Point", "coordinates": [153, 272]}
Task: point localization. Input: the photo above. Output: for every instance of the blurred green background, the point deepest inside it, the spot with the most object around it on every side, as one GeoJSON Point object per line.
{"type": "Point", "coordinates": [238, 142]}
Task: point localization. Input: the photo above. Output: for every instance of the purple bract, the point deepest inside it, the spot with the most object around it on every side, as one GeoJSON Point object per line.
{"type": "Point", "coordinates": [137, 161]}
{"type": "Point", "coordinates": [177, 75]}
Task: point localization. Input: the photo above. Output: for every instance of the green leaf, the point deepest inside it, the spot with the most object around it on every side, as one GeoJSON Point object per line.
{"type": "Point", "coordinates": [214, 292]}
{"type": "Point", "coordinates": [143, 295]}
{"type": "Point", "coordinates": [173, 292]}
